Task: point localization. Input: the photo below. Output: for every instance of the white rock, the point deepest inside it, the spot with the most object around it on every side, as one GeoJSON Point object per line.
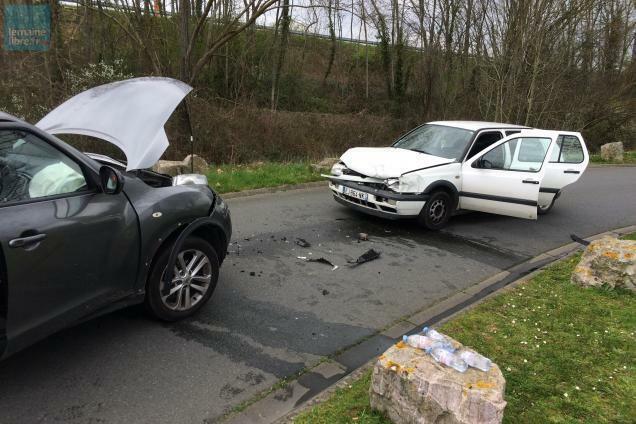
{"type": "Point", "coordinates": [169, 167]}
{"type": "Point", "coordinates": [200, 165]}
{"type": "Point", "coordinates": [410, 387]}
{"type": "Point", "coordinates": [326, 163]}
{"type": "Point", "coordinates": [612, 151]}
{"type": "Point", "coordinates": [607, 262]}
{"type": "Point", "coordinates": [172, 167]}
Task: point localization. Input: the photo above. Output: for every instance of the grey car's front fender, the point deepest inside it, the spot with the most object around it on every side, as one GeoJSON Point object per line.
{"type": "Point", "coordinates": [164, 213]}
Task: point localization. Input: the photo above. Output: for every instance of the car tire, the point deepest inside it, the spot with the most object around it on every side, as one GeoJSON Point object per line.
{"type": "Point", "coordinates": [546, 209]}
{"type": "Point", "coordinates": [171, 303]}
{"type": "Point", "coordinates": [436, 211]}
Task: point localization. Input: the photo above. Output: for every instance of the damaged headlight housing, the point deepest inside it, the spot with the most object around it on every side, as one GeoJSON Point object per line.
{"type": "Point", "coordinates": [392, 183]}
{"type": "Point", "coordinates": [338, 169]}
{"type": "Point", "coordinates": [189, 179]}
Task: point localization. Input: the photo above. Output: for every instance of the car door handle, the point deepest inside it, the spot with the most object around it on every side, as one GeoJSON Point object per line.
{"type": "Point", "coordinates": [26, 241]}
{"type": "Point", "coordinates": [530, 182]}
{"type": "Point", "coordinates": [571, 171]}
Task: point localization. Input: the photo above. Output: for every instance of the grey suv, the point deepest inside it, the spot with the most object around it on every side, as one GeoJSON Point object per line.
{"type": "Point", "coordinates": [80, 236]}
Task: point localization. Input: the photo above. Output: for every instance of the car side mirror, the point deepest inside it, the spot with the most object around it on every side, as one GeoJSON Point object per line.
{"type": "Point", "coordinates": [111, 180]}
{"type": "Point", "coordinates": [477, 163]}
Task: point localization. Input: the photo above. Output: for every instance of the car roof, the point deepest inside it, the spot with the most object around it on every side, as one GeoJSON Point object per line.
{"type": "Point", "coordinates": [476, 125]}
{"type": "Point", "coordinates": [6, 117]}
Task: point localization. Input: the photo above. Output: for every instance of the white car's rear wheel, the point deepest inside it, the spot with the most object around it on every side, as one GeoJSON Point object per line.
{"type": "Point", "coordinates": [543, 210]}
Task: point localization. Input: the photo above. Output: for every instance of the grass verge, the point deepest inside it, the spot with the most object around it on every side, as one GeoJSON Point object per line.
{"type": "Point", "coordinates": [628, 157]}
{"type": "Point", "coordinates": [230, 178]}
{"type": "Point", "coordinates": [567, 353]}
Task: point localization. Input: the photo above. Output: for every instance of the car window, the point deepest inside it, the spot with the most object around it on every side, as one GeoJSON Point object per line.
{"type": "Point", "coordinates": [518, 154]}
{"type": "Point", "coordinates": [437, 140]}
{"type": "Point", "coordinates": [30, 168]}
{"type": "Point", "coordinates": [483, 141]}
{"type": "Point", "coordinates": [567, 150]}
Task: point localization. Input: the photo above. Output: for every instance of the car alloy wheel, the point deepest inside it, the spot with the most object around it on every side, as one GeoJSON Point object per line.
{"type": "Point", "coordinates": [191, 280]}
{"type": "Point", "coordinates": [437, 210]}
{"type": "Point", "coordinates": [194, 279]}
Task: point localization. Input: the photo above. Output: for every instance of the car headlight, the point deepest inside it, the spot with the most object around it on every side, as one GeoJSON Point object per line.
{"type": "Point", "coordinates": [392, 183]}
{"type": "Point", "coordinates": [338, 168]}
{"type": "Point", "coordinates": [189, 179]}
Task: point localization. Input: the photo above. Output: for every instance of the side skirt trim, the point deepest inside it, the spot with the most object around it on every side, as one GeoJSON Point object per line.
{"type": "Point", "coordinates": [499, 198]}
{"type": "Point", "coordinates": [548, 190]}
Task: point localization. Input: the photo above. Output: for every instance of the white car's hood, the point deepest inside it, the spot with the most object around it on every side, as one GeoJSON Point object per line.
{"type": "Point", "coordinates": [130, 114]}
{"type": "Point", "coordinates": [388, 162]}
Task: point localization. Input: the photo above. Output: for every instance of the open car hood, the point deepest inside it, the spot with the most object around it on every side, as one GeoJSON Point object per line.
{"type": "Point", "coordinates": [130, 114]}
{"type": "Point", "coordinates": [388, 162]}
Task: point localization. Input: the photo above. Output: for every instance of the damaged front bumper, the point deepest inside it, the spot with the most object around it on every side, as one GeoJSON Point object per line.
{"type": "Point", "coordinates": [376, 201]}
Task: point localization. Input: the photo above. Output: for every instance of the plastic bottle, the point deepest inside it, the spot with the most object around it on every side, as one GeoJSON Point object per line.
{"type": "Point", "coordinates": [418, 341]}
{"type": "Point", "coordinates": [475, 360]}
{"type": "Point", "coordinates": [435, 335]}
{"type": "Point", "coordinates": [448, 358]}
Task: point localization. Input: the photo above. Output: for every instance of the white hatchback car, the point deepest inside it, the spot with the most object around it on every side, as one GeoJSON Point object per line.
{"type": "Point", "coordinates": [441, 167]}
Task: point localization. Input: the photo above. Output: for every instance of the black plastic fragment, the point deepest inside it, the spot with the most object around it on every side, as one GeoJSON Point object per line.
{"type": "Point", "coordinates": [368, 256]}
{"type": "Point", "coordinates": [322, 261]}
{"type": "Point", "coordinates": [302, 242]}
{"type": "Point", "coordinates": [579, 240]}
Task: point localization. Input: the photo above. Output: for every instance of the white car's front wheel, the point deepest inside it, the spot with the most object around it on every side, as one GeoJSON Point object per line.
{"type": "Point", "coordinates": [436, 211]}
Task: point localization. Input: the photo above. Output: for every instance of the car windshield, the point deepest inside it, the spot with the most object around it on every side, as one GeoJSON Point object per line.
{"type": "Point", "coordinates": [436, 140]}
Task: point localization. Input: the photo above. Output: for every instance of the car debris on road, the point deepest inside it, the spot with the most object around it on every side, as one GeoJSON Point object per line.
{"type": "Point", "coordinates": [302, 242]}
{"type": "Point", "coordinates": [319, 260]}
{"type": "Point", "coordinates": [368, 256]}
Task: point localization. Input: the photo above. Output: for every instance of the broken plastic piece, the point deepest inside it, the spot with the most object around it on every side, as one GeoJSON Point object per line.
{"type": "Point", "coordinates": [302, 242]}
{"type": "Point", "coordinates": [368, 256]}
{"type": "Point", "coordinates": [579, 240]}
{"type": "Point", "coordinates": [319, 260]}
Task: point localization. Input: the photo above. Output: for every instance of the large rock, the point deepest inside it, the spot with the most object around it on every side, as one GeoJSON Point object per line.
{"type": "Point", "coordinates": [612, 152]}
{"type": "Point", "coordinates": [326, 163]}
{"type": "Point", "coordinates": [198, 163]}
{"type": "Point", "coordinates": [169, 167]}
{"type": "Point", "coordinates": [173, 168]}
{"type": "Point", "coordinates": [411, 387]}
{"type": "Point", "coordinates": [607, 262]}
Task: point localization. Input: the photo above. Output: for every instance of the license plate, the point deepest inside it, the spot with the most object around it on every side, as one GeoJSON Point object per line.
{"type": "Point", "coordinates": [355, 193]}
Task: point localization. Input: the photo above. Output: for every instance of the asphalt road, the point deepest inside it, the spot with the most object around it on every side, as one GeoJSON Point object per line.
{"type": "Point", "coordinates": [273, 314]}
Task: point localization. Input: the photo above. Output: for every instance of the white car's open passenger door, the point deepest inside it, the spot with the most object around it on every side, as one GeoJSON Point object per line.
{"type": "Point", "coordinates": [505, 178]}
{"type": "Point", "coordinates": [567, 162]}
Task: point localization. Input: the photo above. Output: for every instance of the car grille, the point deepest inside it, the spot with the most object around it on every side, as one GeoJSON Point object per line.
{"type": "Point", "coordinates": [367, 204]}
{"type": "Point", "coordinates": [353, 173]}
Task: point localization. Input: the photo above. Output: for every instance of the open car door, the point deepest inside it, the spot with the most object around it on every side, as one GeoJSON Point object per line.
{"type": "Point", "coordinates": [505, 178]}
{"type": "Point", "coordinates": [568, 161]}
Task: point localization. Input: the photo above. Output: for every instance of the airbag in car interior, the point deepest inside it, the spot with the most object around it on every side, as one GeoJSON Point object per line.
{"type": "Point", "coordinates": [53, 179]}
